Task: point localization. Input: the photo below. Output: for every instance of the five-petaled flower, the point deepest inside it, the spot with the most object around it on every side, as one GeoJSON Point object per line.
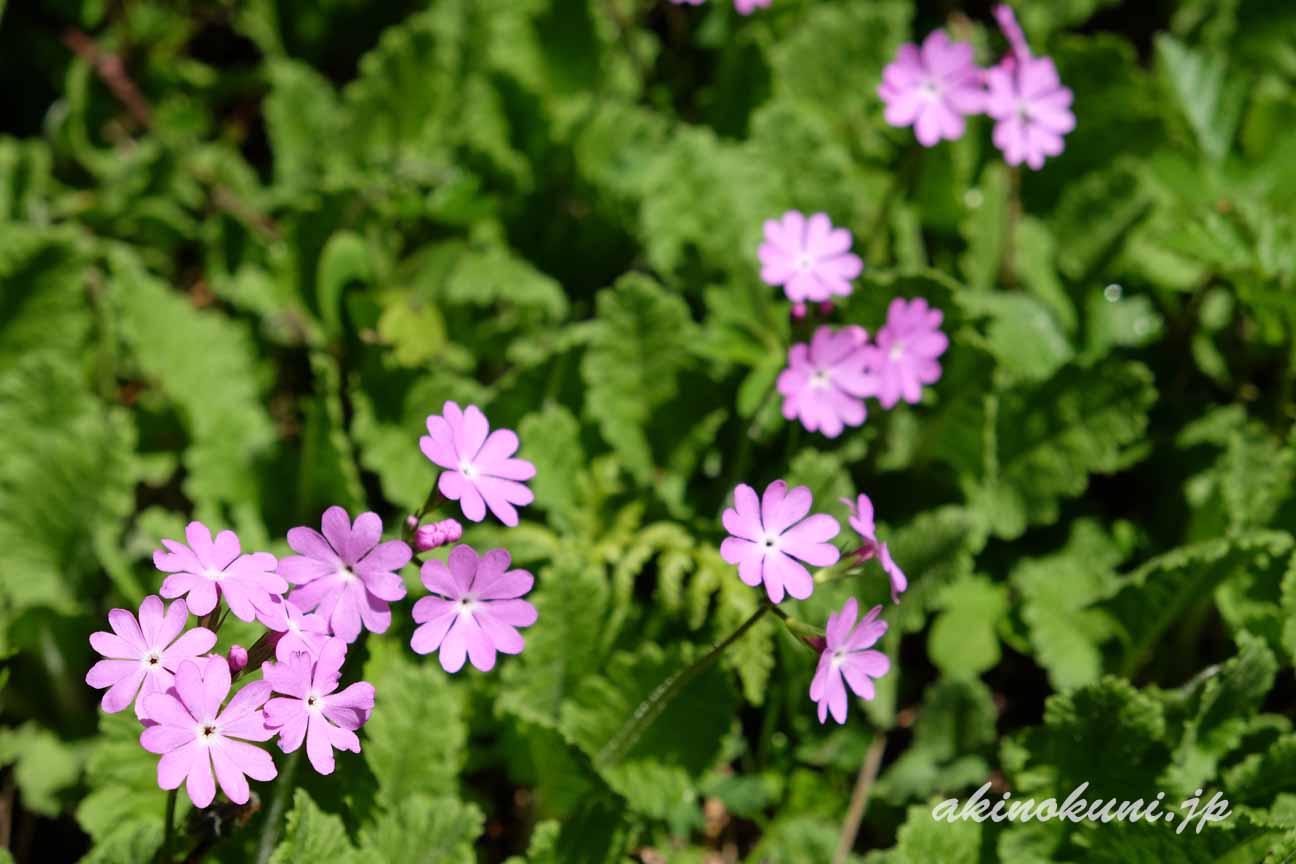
{"type": "Point", "coordinates": [142, 655]}
{"type": "Point", "coordinates": [809, 257]}
{"type": "Point", "coordinates": [861, 519]}
{"type": "Point", "coordinates": [933, 88]}
{"type": "Point", "coordinates": [194, 735]}
{"type": "Point", "coordinates": [346, 573]}
{"type": "Point", "coordinates": [1031, 108]}
{"type": "Point", "coordinates": [311, 708]}
{"type": "Point", "coordinates": [207, 570]}
{"type": "Point", "coordinates": [846, 655]}
{"type": "Point", "coordinates": [298, 631]}
{"type": "Point", "coordinates": [904, 355]}
{"type": "Point", "coordinates": [480, 470]}
{"type": "Point", "coordinates": [474, 609]}
{"type": "Point", "coordinates": [824, 383]}
{"type": "Point", "coordinates": [770, 538]}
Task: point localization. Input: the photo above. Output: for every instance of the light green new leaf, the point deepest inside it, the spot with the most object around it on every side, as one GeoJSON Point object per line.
{"type": "Point", "coordinates": [963, 641]}
{"type": "Point", "coordinates": [1209, 97]}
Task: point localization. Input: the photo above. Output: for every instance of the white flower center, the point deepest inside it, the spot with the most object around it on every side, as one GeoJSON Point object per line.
{"type": "Point", "coordinates": [151, 660]}
{"type": "Point", "coordinates": [897, 351]}
{"type": "Point", "coordinates": [345, 574]}
{"type": "Point", "coordinates": [466, 469]}
{"type": "Point", "coordinates": [769, 543]}
{"type": "Point", "coordinates": [213, 575]}
{"type": "Point", "coordinates": [838, 658]}
{"type": "Point", "coordinates": [314, 702]}
{"type": "Point", "coordinates": [804, 261]}
{"type": "Point", "coordinates": [465, 606]}
{"type": "Point", "coordinates": [208, 734]}
{"type": "Point", "coordinates": [1024, 111]}
{"type": "Point", "coordinates": [929, 90]}
{"type": "Point", "coordinates": [820, 378]}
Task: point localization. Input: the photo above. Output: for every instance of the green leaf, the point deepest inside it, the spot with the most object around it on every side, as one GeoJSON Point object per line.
{"type": "Point", "coordinates": [1208, 96]}
{"type": "Point", "coordinates": [345, 259]}
{"type": "Point", "coordinates": [551, 439]}
{"type": "Point", "coordinates": [1048, 438]}
{"type": "Point", "coordinates": [423, 830]}
{"type": "Point", "coordinates": [572, 601]}
{"type": "Point", "coordinates": [640, 342]}
{"type": "Point", "coordinates": [45, 767]}
{"type": "Point", "coordinates": [63, 502]}
{"type": "Point", "coordinates": [311, 835]}
{"type": "Point", "coordinates": [963, 642]}
{"type": "Point", "coordinates": [414, 742]}
{"type": "Point", "coordinates": [923, 839]}
{"type": "Point", "coordinates": [123, 809]}
{"type": "Point", "coordinates": [954, 734]}
{"type": "Point", "coordinates": [1059, 596]}
{"type": "Point", "coordinates": [206, 366]}
{"type": "Point", "coordinates": [1022, 334]}
{"type": "Point", "coordinates": [658, 774]}
{"type": "Point", "coordinates": [44, 294]}
{"type": "Point", "coordinates": [1107, 734]}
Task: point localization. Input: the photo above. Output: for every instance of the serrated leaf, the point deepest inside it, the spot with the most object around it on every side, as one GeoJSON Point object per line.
{"type": "Point", "coordinates": [123, 809]}
{"type": "Point", "coordinates": [1208, 96]}
{"type": "Point", "coordinates": [658, 772]}
{"type": "Point", "coordinates": [639, 344]}
{"type": "Point", "coordinates": [423, 830]}
{"type": "Point", "coordinates": [963, 641]}
{"type": "Point", "coordinates": [311, 835]}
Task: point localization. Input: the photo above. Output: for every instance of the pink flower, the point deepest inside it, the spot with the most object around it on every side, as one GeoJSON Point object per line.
{"type": "Point", "coordinates": [845, 655]}
{"type": "Point", "coordinates": [746, 7]}
{"type": "Point", "coordinates": [861, 519]}
{"type": "Point", "coordinates": [1032, 110]}
{"type": "Point", "coordinates": [770, 538]}
{"type": "Point", "coordinates": [437, 534]}
{"type": "Point", "coordinates": [932, 89]}
{"type": "Point", "coordinates": [142, 655]}
{"type": "Point", "coordinates": [904, 356]}
{"type": "Point", "coordinates": [474, 608]}
{"type": "Point", "coordinates": [298, 631]}
{"type": "Point", "coordinates": [824, 383]}
{"type": "Point", "coordinates": [237, 659]}
{"type": "Point", "coordinates": [208, 570]}
{"type": "Point", "coordinates": [310, 710]}
{"type": "Point", "coordinates": [345, 572]}
{"type": "Point", "coordinates": [479, 470]}
{"type": "Point", "coordinates": [810, 258]}
{"type": "Point", "coordinates": [194, 735]}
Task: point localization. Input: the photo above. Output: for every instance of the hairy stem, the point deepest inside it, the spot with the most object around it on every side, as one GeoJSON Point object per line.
{"type": "Point", "coordinates": [270, 833]}
{"type": "Point", "coordinates": [168, 833]}
{"type": "Point", "coordinates": [859, 799]}
{"type": "Point", "coordinates": [651, 708]}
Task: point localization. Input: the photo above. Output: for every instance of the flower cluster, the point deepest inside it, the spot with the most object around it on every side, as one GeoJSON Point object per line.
{"type": "Point", "coordinates": [771, 539]}
{"type": "Point", "coordinates": [828, 377]}
{"type": "Point", "coordinates": [314, 604]}
{"type": "Point", "coordinates": [935, 87]}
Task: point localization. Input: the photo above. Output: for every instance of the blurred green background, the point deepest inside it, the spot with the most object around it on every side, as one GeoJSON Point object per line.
{"type": "Point", "coordinates": [246, 248]}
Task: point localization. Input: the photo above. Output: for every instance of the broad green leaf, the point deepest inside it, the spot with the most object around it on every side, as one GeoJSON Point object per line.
{"type": "Point", "coordinates": [1209, 97]}
{"type": "Point", "coordinates": [423, 830]}
{"type": "Point", "coordinates": [639, 344]}
{"type": "Point", "coordinates": [44, 766]}
{"type": "Point", "coordinates": [311, 835]}
{"type": "Point", "coordinates": [963, 642]}
{"type": "Point", "coordinates": [124, 807]}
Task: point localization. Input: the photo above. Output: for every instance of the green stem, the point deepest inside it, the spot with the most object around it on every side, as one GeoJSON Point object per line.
{"type": "Point", "coordinates": [270, 833]}
{"type": "Point", "coordinates": [168, 835]}
{"type": "Point", "coordinates": [651, 708]}
{"type": "Point", "coordinates": [430, 503]}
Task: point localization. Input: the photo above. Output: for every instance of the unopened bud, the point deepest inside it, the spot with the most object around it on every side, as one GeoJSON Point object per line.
{"type": "Point", "coordinates": [826, 307]}
{"type": "Point", "coordinates": [798, 311]}
{"type": "Point", "coordinates": [452, 530]}
{"type": "Point", "coordinates": [237, 659]}
{"type": "Point", "coordinates": [436, 534]}
{"type": "Point", "coordinates": [818, 643]}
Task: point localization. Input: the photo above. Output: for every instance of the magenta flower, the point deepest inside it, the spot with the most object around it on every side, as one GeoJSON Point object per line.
{"type": "Point", "coordinates": [746, 7]}
{"type": "Point", "coordinates": [809, 257]}
{"type": "Point", "coordinates": [845, 655]}
{"type": "Point", "coordinates": [903, 357]}
{"type": "Point", "coordinates": [207, 570]}
{"type": "Point", "coordinates": [299, 631]}
{"type": "Point", "coordinates": [480, 471]}
{"type": "Point", "coordinates": [771, 537]}
{"type": "Point", "coordinates": [310, 710]}
{"type": "Point", "coordinates": [436, 534]}
{"type": "Point", "coordinates": [933, 88]}
{"type": "Point", "coordinates": [475, 608]}
{"type": "Point", "coordinates": [143, 655]}
{"type": "Point", "coordinates": [194, 735]}
{"type": "Point", "coordinates": [237, 659]}
{"type": "Point", "coordinates": [1031, 108]}
{"type": "Point", "coordinates": [824, 383]}
{"type": "Point", "coordinates": [861, 519]}
{"type": "Point", "coordinates": [346, 574]}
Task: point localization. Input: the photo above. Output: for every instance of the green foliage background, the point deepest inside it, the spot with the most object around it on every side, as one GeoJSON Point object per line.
{"type": "Point", "coordinates": [245, 248]}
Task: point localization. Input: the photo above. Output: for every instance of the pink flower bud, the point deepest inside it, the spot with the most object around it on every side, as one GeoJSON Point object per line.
{"type": "Point", "coordinates": [818, 643]}
{"type": "Point", "coordinates": [428, 537]}
{"type": "Point", "coordinates": [237, 659]}
{"type": "Point", "coordinates": [411, 520]}
{"type": "Point", "coordinates": [451, 529]}
{"type": "Point", "coordinates": [826, 307]}
{"type": "Point", "coordinates": [798, 311]}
